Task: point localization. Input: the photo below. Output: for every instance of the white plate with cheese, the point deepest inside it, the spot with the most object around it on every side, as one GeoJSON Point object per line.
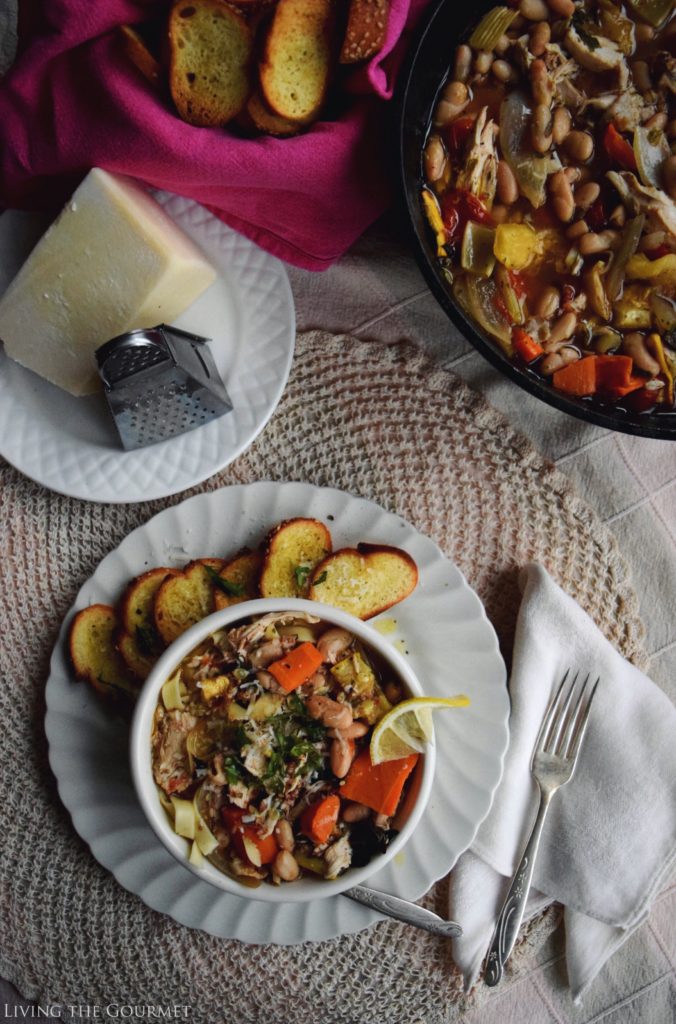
{"type": "Point", "coordinates": [70, 444]}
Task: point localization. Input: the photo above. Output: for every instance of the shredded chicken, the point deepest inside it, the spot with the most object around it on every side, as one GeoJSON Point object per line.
{"type": "Point", "coordinates": [605, 57]}
{"type": "Point", "coordinates": [245, 638]}
{"type": "Point", "coordinates": [170, 756]}
{"type": "Point", "coordinates": [659, 209]}
{"type": "Point", "coordinates": [480, 171]}
{"type": "Point", "coordinates": [338, 857]}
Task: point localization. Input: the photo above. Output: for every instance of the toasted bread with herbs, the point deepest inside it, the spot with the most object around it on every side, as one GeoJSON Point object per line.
{"type": "Point", "coordinates": [93, 654]}
{"type": "Point", "coordinates": [186, 598]}
{"type": "Point", "coordinates": [296, 63]}
{"type": "Point", "coordinates": [366, 30]}
{"type": "Point", "coordinates": [364, 580]}
{"type": "Point", "coordinates": [139, 54]}
{"type": "Point", "coordinates": [210, 45]}
{"type": "Point", "coordinates": [137, 639]}
{"type": "Point", "coordinates": [262, 119]}
{"type": "Point", "coordinates": [292, 550]}
{"type": "Point", "coordinates": [238, 579]}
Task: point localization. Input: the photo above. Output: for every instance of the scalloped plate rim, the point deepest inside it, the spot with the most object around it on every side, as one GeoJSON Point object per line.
{"type": "Point", "coordinates": [105, 492]}
{"type": "Point", "coordinates": [359, 917]}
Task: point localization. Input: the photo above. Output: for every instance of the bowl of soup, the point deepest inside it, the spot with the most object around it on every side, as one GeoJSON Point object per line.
{"type": "Point", "coordinates": [538, 164]}
{"type": "Point", "coordinates": [250, 751]}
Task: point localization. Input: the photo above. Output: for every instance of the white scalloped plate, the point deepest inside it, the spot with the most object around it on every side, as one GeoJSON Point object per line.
{"type": "Point", "coordinates": [443, 629]}
{"type": "Point", "coordinates": [70, 444]}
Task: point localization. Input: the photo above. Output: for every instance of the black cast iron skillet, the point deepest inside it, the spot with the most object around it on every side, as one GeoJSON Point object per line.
{"type": "Point", "coordinates": [430, 56]}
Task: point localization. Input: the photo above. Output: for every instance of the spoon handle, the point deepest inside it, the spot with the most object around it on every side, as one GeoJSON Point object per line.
{"type": "Point", "coordinates": [403, 910]}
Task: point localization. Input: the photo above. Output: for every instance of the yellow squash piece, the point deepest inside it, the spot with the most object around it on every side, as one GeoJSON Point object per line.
{"type": "Point", "coordinates": [516, 245]}
{"type": "Point", "coordinates": [640, 268]}
{"type": "Point", "coordinates": [657, 348]}
{"type": "Point", "coordinates": [433, 214]}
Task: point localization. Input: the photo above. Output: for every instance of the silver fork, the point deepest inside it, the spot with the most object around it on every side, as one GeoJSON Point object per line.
{"type": "Point", "coordinates": [554, 759]}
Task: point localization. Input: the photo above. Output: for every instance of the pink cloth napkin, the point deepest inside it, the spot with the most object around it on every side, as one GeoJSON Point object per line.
{"type": "Point", "coordinates": [73, 101]}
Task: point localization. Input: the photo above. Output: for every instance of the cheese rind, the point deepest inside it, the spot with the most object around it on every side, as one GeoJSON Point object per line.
{"type": "Point", "coordinates": [111, 262]}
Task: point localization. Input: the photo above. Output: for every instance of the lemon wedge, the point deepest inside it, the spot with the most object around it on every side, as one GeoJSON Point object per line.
{"type": "Point", "coordinates": [408, 727]}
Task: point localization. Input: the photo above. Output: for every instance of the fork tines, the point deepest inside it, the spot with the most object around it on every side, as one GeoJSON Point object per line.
{"type": "Point", "coordinates": [566, 720]}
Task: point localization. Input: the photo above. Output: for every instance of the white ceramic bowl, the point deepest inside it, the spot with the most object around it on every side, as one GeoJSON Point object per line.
{"type": "Point", "coordinates": [304, 889]}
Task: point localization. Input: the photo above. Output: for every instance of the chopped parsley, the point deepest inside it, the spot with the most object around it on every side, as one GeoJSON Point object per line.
{"type": "Point", "coordinates": [301, 572]}
{"type": "Point", "coordinates": [321, 578]}
{"type": "Point", "coordinates": [233, 769]}
{"type": "Point", "coordinates": [229, 588]}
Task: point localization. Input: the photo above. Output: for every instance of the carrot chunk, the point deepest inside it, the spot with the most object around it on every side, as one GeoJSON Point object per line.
{"type": "Point", "coordinates": [525, 345]}
{"type": "Point", "coordinates": [318, 821]}
{"type": "Point", "coordinates": [613, 371]}
{"type": "Point", "coordinates": [250, 845]}
{"type": "Point", "coordinates": [622, 390]}
{"type": "Point", "coordinates": [296, 667]}
{"type": "Point", "coordinates": [378, 786]}
{"type": "Point", "coordinates": [577, 378]}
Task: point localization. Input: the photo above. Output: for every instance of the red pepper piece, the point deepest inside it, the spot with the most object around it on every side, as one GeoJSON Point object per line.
{"type": "Point", "coordinates": [457, 135]}
{"type": "Point", "coordinates": [618, 149]}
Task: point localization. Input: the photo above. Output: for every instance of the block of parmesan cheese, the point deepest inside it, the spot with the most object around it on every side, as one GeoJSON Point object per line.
{"type": "Point", "coordinates": [112, 261]}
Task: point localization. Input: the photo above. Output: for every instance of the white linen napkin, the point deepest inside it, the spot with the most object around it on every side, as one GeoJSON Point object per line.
{"type": "Point", "coordinates": [609, 840]}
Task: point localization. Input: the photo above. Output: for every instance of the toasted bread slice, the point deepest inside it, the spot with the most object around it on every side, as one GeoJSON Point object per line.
{"type": "Point", "coordinates": [93, 655]}
{"type": "Point", "coordinates": [137, 639]}
{"type": "Point", "coordinates": [139, 54]}
{"type": "Point", "coordinates": [294, 71]}
{"type": "Point", "coordinates": [239, 579]}
{"type": "Point", "coordinates": [186, 598]}
{"type": "Point", "coordinates": [210, 47]}
{"type": "Point", "coordinates": [292, 550]}
{"type": "Point", "coordinates": [366, 30]}
{"type": "Point", "coordinates": [364, 580]}
{"type": "Point", "coordinates": [265, 120]}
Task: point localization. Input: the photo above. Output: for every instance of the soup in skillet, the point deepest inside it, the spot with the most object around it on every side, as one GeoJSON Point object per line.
{"type": "Point", "coordinates": [549, 185]}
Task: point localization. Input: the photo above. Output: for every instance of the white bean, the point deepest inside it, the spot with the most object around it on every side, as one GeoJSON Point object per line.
{"type": "Point", "coordinates": [286, 866]}
{"type": "Point", "coordinates": [561, 122]}
{"type": "Point", "coordinates": [454, 99]}
{"type": "Point", "coordinates": [508, 190]}
{"type": "Point", "coordinates": [355, 812]}
{"type": "Point", "coordinates": [563, 328]}
{"type": "Point", "coordinates": [463, 63]}
{"type": "Point", "coordinates": [564, 8]}
{"type": "Point", "coordinates": [284, 834]}
{"type": "Point", "coordinates": [503, 71]}
{"type": "Point", "coordinates": [592, 243]}
{"type": "Point", "coordinates": [534, 10]}
{"type": "Point", "coordinates": [540, 34]}
{"type": "Point", "coordinates": [547, 303]}
{"type": "Point", "coordinates": [557, 360]}
{"type": "Point", "coordinates": [586, 195]}
{"type": "Point", "coordinates": [634, 345]}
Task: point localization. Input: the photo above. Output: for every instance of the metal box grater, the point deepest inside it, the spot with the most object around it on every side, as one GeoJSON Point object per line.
{"type": "Point", "coordinates": [160, 382]}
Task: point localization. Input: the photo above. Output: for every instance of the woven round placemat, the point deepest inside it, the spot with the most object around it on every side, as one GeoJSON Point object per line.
{"type": "Point", "coordinates": [381, 422]}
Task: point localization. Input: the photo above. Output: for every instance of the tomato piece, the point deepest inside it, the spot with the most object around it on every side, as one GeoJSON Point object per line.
{"type": "Point", "coordinates": [457, 135]}
{"type": "Point", "coordinates": [232, 816]}
{"type": "Point", "coordinates": [619, 150]}
{"type": "Point", "coordinates": [518, 284]}
{"type": "Point", "coordinates": [457, 207]}
{"type": "Point", "coordinates": [659, 252]}
{"type": "Point", "coordinates": [596, 215]}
